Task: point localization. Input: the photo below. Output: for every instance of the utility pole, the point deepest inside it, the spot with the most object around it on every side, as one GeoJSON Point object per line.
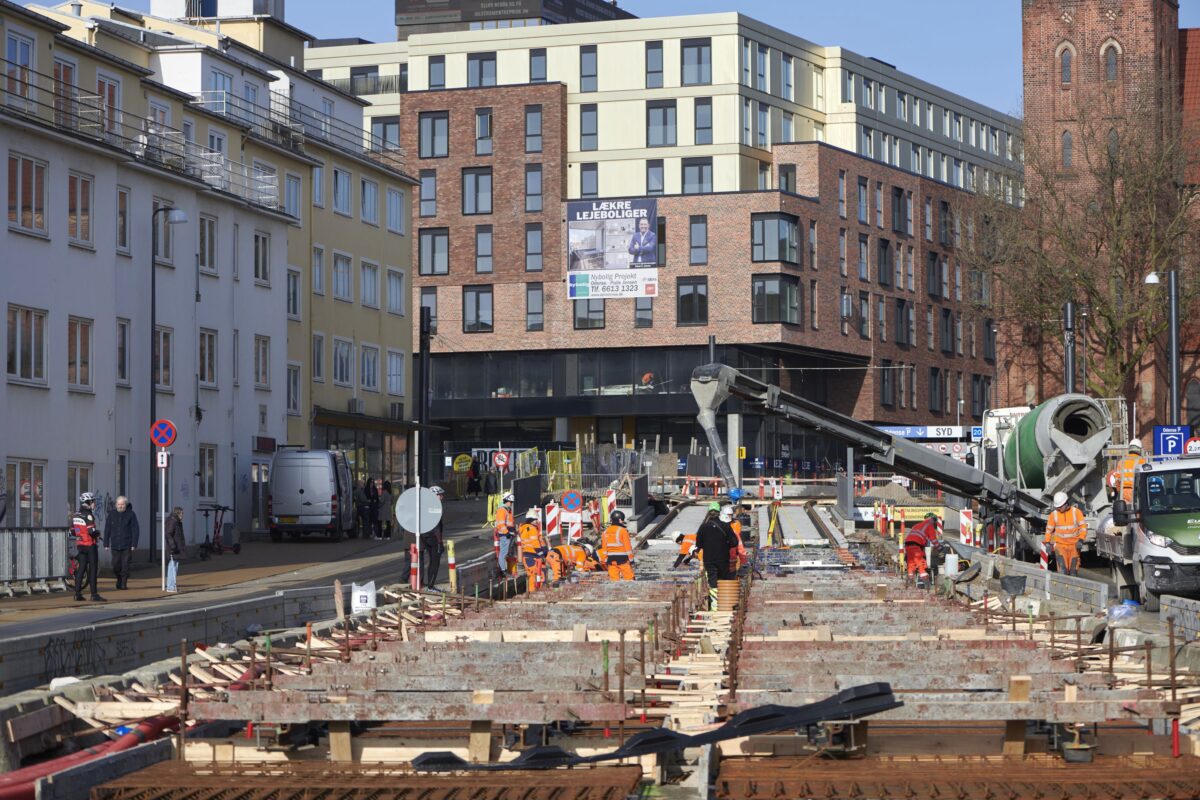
{"type": "Point", "coordinates": [1069, 347]}
{"type": "Point", "coordinates": [423, 397]}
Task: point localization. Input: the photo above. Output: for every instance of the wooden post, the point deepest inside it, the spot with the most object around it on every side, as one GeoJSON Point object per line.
{"type": "Point", "coordinates": [341, 745]}
{"type": "Point", "coordinates": [479, 745]}
{"type": "Point", "coordinates": [1019, 687]}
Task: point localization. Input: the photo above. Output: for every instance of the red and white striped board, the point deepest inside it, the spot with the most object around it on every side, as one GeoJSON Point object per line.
{"type": "Point", "coordinates": [610, 504]}
{"type": "Point", "coordinates": [553, 521]}
{"type": "Point", "coordinates": [966, 526]}
{"type": "Point", "coordinates": [1044, 557]}
{"type": "Point", "coordinates": [573, 522]}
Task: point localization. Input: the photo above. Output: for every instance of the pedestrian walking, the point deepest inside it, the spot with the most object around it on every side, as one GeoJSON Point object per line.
{"type": "Point", "coordinates": [362, 507]}
{"type": "Point", "coordinates": [176, 545]}
{"type": "Point", "coordinates": [373, 508]}
{"type": "Point", "coordinates": [121, 539]}
{"type": "Point", "coordinates": [433, 544]}
{"type": "Point", "coordinates": [383, 517]}
{"type": "Point", "coordinates": [87, 538]}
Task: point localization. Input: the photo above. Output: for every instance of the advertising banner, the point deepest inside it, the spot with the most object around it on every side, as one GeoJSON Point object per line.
{"type": "Point", "coordinates": [613, 283]}
{"type": "Point", "coordinates": [612, 234]}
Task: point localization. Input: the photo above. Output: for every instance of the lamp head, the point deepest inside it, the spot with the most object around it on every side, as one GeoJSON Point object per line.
{"type": "Point", "coordinates": [177, 216]}
{"type": "Point", "coordinates": [1153, 279]}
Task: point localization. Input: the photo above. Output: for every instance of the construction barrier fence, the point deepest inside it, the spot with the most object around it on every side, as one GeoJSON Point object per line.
{"type": "Point", "coordinates": [32, 557]}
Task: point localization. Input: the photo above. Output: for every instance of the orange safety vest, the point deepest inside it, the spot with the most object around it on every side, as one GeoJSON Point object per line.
{"type": "Point", "coordinates": [615, 542]}
{"type": "Point", "coordinates": [1066, 528]}
{"type": "Point", "coordinates": [1127, 468]}
{"type": "Point", "coordinates": [689, 541]}
{"type": "Point", "coordinates": [504, 520]}
{"type": "Point", "coordinates": [531, 538]}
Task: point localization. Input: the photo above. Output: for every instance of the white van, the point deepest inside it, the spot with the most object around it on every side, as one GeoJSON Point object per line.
{"type": "Point", "coordinates": [310, 492]}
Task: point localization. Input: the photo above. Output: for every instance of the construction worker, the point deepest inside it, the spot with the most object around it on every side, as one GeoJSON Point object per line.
{"type": "Point", "coordinates": [923, 534]}
{"type": "Point", "coordinates": [533, 550]}
{"type": "Point", "coordinates": [505, 530]}
{"type": "Point", "coordinates": [560, 560]}
{"type": "Point", "coordinates": [687, 549]}
{"type": "Point", "coordinates": [591, 560]}
{"type": "Point", "coordinates": [1065, 529]}
{"type": "Point", "coordinates": [737, 556]}
{"type": "Point", "coordinates": [716, 539]}
{"type": "Point", "coordinates": [1128, 468]}
{"type": "Point", "coordinates": [616, 550]}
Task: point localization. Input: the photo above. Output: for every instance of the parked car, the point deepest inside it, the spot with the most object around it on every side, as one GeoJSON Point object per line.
{"type": "Point", "coordinates": [310, 492]}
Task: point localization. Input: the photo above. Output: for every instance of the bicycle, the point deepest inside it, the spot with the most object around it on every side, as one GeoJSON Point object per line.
{"type": "Point", "coordinates": [212, 545]}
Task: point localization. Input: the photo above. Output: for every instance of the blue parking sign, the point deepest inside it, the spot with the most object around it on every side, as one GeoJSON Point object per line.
{"type": "Point", "coordinates": [1169, 439]}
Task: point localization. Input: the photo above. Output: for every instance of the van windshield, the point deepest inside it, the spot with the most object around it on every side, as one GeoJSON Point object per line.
{"type": "Point", "coordinates": [1170, 492]}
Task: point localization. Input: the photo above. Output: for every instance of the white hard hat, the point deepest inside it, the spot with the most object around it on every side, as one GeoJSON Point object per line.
{"type": "Point", "coordinates": [678, 537]}
{"type": "Point", "coordinates": [531, 514]}
{"type": "Point", "coordinates": [1135, 444]}
{"type": "Point", "coordinates": [590, 548]}
{"type": "Point", "coordinates": [508, 498]}
{"type": "Point", "coordinates": [726, 514]}
{"type": "Point", "coordinates": [439, 491]}
{"type": "Point", "coordinates": [1060, 499]}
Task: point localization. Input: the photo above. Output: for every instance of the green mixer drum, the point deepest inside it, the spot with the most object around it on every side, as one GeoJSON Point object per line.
{"type": "Point", "coordinates": [1024, 440]}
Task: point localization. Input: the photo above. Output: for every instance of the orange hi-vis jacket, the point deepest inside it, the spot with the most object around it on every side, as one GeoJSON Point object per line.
{"type": "Point", "coordinates": [504, 521]}
{"type": "Point", "coordinates": [689, 541]}
{"type": "Point", "coordinates": [531, 538]}
{"type": "Point", "coordinates": [615, 542]}
{"type": "Point", "coordinates": [737, 528]}
{"type": "Point", "coordinates": [1127, 468]}
{"type": "Point", "coordinates": [1065, 529]}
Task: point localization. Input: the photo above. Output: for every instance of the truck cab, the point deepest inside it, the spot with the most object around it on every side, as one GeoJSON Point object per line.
{"type": "Point", "coordinates": [1160, 545]}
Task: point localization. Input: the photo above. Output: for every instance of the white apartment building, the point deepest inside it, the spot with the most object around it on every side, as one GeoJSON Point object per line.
{"type": "Point", "coordinates": [719, 89]}
{"type": "Point", "coordinates": [92, 146]}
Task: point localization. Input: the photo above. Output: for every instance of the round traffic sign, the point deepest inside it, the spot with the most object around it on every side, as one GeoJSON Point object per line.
{"type": "Point", "coordinates": [500, 459]}
{"type": "Point", "coordinates": [943, 448]}
{"type": "Point", "coordinates": [957, 447]}
{"type": "Point", "coordinates": [1192, 446]}
{"type": "Point", "coordinates": [406, 510]}
{"type": "Point", "coordinates": [163, 433]}
{"type": "Point", "coordinates": [462, 462]}
{"type": "Point", "coordinates": [572, 501]}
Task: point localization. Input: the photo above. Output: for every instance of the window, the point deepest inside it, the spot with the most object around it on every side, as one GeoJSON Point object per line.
{"type": "Point", "coordinates": [342, 201]}
{"type": "Point", "coordinates": [343, 362]}
{"type": "Point", "coordinates": [397, 292]}
{"type": "Point", "coordinates": [588, 137]}
{"type": "Point", "coordinates": [368, 280]}
{"type": "Point", "coordinates": [477, 190]}
{"type": "Point", "coordinates": [589, 180]}
{"type": "Point", "coordinates": [108, 91]}
{"type": "Point", "coordinates": [878, 204]}
{"type": "Point", "coordinates": [946, 331]}
{"type": "Point", "coordinates": [318, 270]}
{"type": "Point", "coordinates": [483, 249]}
{"type": "Point", "coordinates": [655, 182]}
{"type": "Point", "coordinates": [481, 69]}
{"type": "Point", "coordinates": [437, 72]}
{"type": "Point", "coordinates": [318, 358]}
{"type": "Point", "coordinates": [291, 195]}
{"type": "Point", "coordinates": [395, 211]}
{"type": "Point", "coordinates": [692, 301]}
{"type": "Point", "coordinates": [958, 334]}
{"type": "Point", "coordinates": [429, 300]}
{"type": "Point", "coordinates": [533, 129]}
{"type": "Point", "coordinates": [763, 128]}
{"type": "Point", "coordinates": [908, 213]}
{"type": "Point", "coordinates": [343, 281]}
{"type": "Point", "coordinates": [589, 314]}
{"type": "Point", "coordinates": [26, 193]}
{"type": "Point", "coordinates": [370, 202]}
{"type": "Point", "coordinates": [881, 317]}
{"type": "Point", "coordinates": [864, 268]}
{"type": "Point", "coordinates": [79, 208]}
{"type": "Point", "coordinates": [775, 299]}
{"type": "Point", "coordinates": [237, 359]}
{"type": "Point", "coordinates": [122, 216]}
{"type": "Point", "coordinates": [433, 134]}
{"type": "Point", "coordinates": [1065, 65]}
{"type": "Point", "coordinates": [1110, 67]}
{"type": "Point", "coordinates": [813, 312]}
{"type": "Point", "coordinates": [483, 131]}
{"type": "Point", "coordinates": [989, 340]}
{"type": "Point", "coordinates": [434, 251]}
{"type": "Point", "coordinates": [842, 194]}
{"type": "Point", "coordinates": [842, 251]}
{"type": "Point", "coordinates": [27, 344]}
{"type": "Point", "coordinates": [368, 368]}
{"type": "Point", "coordinates": [661, 236]}
{"type": "Point", "coordinates": [385, 131]}
{"type": "Point", "coordinates": [887, 383]}
{"type": "Point", "coordinates": [698, 240]}
{"type": "Point", "coordinates": [1067, 150]}
{"type": "Point", "coordinates": [587, 68]}
{"type": "Point", "coordinates": [863, 201]}
{"type": "Point", "coordinates": [643, 312]}
{"type": "Point", "coordinates": [207, 358]}
{"type": "Point", "coordinates": [164, 339]}
{"type": "Point", "coordinates": [318, 187]}
{"type": "Point", "coordinates": [537, 65]}
{"type": "Point", "coordinates": [936, 381]}
{"type": "Point", "coordinates": [697, 61]}
{"type": "Point", "coordinates": [262, 362]}
{"type": "Point", "coordinates": [660, 123]}
{"type": "Point", "coordinates": [477, 309]}
{"type": "Point", "coordinates": [704, 132]}
{"type": "Point", "coordinates": [787, 178]}
{"type": "Point", "coordinates": [533, 247]}
{"type": "Point", "coordinates": [747, 47]}
{"type": "Point", "coordinates": [79, 479]}
{"type": "Point", "coordinates": [788, 78]}
{"type": "Point", "coordinates": [262, 257]}
{"type": "Point", "coordinates": [763, 57]}
{"type": "Point", "coordinates": [928, 219]}
{"type": "Point", "coordinates": [396, 363]}
{"type": "Point", "coordinates": [773, 238]}
{"type": "Point", "coordinates": [864, 315]}
{"type": "Point", "coordinates": [19, 475]}
{"type": "Point", "coordinates": [19, 51]}
{"type": "Point", "coordinates": [747, 122]}
{"type": "Point", "coordinates": [654, 65]}
{"type": "Point", "coordinates": [883, 264]}
{"type": "Point", "coordinates": [79, 353]}
{"type": "Point", "coordinates": [293, 294]}
{"type": "Point", "coordinates": [788, 127]}
{"type": "Point", "coordinates": [697, 175]}
{"type": "Point", "coordinates": [818, 79]}
{"type": "Point", "coordinates": [428, 193]}
{"type": "Point", "coordinates": [293, 391]}
{"type": "Point", "coordinates": [534, 316]}
{"type": "Point", "coordinates": [901, 320]}
{"type": "Point", "coordinates": [533, 187]}
{"type": "Point", "coordinates": [123, 352]}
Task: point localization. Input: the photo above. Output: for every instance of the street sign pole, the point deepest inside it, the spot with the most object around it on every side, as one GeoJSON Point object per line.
{"type": "Point", "coordinates": [162, 511]}
{"type": "Point", "coordinates": [417, 533]}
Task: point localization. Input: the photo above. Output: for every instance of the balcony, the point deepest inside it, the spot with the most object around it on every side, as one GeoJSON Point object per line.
{"type": "Point", "coordinates": [360, 85]}
{"type": "Point", "coordinates": [40, 98]}
{"type": "Point", "coordinates": [289, 124]}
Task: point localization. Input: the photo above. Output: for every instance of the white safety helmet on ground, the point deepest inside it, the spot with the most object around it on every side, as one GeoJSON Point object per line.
{"type": "Point", "coordinates": [439, 491]}
{"type": "Point", "coordinates": [1135, 444]}
{"type": "Point", "coordinates": [1060, 499]}
{"type": "Point", "coordinates": [726, 514]}
{"type": "Point", "coordinates": [508, 498]}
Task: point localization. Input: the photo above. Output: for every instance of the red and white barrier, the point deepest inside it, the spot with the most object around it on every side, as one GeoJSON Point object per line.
{"type": "Point", "coordinates": [610, 504]}
{"type": "Point", "coordinates": [574, 524]}
{"type": "Point", "coordinates": [553, 523]}
{"type": "Point", "coordinates": [414, 566]}
{"type": "Point", "coordinates": [966, 526]}
{"type": "Point", "coordinates": [1044, 557]}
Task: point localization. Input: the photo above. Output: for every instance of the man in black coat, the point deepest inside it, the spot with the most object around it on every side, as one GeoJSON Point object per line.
{"type": "Point", "coordinates": [121, 539]}
{"type": "Point", "coordinates": [715, 539]}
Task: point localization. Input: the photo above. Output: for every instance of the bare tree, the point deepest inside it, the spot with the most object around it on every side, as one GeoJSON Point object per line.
{"type": "Point", "coordinates": [1108, 198]}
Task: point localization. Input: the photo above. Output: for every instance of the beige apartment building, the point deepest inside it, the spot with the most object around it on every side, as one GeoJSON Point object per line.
{"type": "Point", "coordinates": [348, 274]}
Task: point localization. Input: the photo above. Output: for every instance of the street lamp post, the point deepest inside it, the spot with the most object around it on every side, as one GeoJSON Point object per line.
{"type": "Point", "coordinates": [175, 216]}
{"type": "Point", "coordinates": [1153, 279]}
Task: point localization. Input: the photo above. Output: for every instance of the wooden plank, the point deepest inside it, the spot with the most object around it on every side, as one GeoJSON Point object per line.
{"type": "Point", "coordinates": [341, 746]}
{"type": "Point", "coordinates": [37, 722]}
{"type": "Point", "coordinates": [116, 711]}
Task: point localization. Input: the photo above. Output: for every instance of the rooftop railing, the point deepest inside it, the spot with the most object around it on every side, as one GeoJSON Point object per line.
{"type": "Point", "coordinates": [369, 84]}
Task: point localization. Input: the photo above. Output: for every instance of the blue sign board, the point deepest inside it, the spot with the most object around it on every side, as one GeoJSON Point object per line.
{"type": "Point", "coordinates": [1169, 439]}
{"type": "Point", "coordinates": [756, 463]}
{"type": "Point", "coordinates": [976, 433]}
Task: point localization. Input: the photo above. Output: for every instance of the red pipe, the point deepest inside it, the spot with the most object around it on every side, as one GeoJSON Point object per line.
{"type": "Point", "coordinates": [1175, 738]}
{"type": "Point", "coordinates": [19, 784]}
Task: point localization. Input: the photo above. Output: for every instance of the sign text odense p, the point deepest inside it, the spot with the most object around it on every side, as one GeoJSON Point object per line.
{"type": "Point", "coordinates": [612, 248]}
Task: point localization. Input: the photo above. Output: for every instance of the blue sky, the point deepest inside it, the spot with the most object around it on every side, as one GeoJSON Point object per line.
{"type": "Point", "coordinates": [972, 47]}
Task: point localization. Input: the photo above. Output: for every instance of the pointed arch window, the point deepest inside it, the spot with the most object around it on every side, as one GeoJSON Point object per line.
{"type": "Point", "coordinates": [1111, 63]}
{"type": "Point", "coordinates": [1065, 64]}
{"type": "Point", "coordinates": [1067, 148]}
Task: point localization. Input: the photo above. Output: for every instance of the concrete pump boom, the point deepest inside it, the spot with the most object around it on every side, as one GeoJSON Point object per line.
{"type": "Point", "coordinates": [713, 384]}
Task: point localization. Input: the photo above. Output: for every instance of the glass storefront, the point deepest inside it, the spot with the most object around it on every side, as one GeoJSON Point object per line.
{"type": "Point", "coordinates": [371, 453]}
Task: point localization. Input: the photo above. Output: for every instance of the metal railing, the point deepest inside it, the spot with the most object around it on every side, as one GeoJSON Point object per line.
{"type": "Point", "coordinates": [289, 123]}
{"type": "Point", "coordinates": [35, 96]}
{"type": "Point", "coordinates": [32, 558]}
{"type": "Point", "coordinates": [369, 84]}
